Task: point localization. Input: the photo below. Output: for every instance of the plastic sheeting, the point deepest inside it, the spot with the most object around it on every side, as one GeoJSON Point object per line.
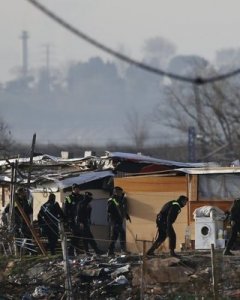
{"type": "Point", "coordinates": [209, 211]}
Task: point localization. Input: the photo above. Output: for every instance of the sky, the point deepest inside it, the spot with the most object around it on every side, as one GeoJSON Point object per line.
{"type": "Point", "coordinates": [195, 27]}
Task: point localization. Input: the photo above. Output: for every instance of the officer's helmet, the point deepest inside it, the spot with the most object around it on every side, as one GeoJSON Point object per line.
{"type": "Point", "coordinates": [117, 190]}
{"type": "Point", "coordinates": [75, 186]}
{"type": "Point", "coordinates": [183, 200]}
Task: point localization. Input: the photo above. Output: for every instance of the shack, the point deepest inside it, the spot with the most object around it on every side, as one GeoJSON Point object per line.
{"type": "Point", "coordinates": [149, 183]}
{"type": "Point", "coordinates": [56, 175]}
{"type": "Point", "coordinates": [215, 186]}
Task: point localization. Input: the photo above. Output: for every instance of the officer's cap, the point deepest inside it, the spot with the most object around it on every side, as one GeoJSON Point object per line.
{"type": "Point", "coordinates": [21, 190]}
{"type": "Point", "coordinates": [75, 186]}
{"type": "Point", "coordinates": [51, 197]}
{"type": "Point", "coordinates": [118, 188]}
{"type": "Point", "coordinates": [183, 199]}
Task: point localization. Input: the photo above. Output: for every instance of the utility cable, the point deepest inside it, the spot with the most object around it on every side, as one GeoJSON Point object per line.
{"type": "Point", "coordinates": [197, 80]}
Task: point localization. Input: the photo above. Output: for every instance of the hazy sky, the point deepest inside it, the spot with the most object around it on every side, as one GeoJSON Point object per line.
{"type": "Point", "coordinates": [196, 27]}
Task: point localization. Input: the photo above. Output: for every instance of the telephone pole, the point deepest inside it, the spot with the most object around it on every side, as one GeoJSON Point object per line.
{"type": "Point", "coordinates": [191, 144]}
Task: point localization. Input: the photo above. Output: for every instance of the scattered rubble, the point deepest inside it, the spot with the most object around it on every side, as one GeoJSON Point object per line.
{"type": "Point", "coordinates": [121, 277]}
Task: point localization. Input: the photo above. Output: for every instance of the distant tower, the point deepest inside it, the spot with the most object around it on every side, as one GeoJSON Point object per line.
{"type": "Point", "coordinates": [48, 62]}
{"type": "Point", "coordinates": [47, 57]}
{"type": "Point", "coordinates": [24, 38]}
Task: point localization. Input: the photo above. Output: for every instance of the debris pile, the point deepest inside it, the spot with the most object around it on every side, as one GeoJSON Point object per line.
{"type": "Point", "coordinates": [121, 277]}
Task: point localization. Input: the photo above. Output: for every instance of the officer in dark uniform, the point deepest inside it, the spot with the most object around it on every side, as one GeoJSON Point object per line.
{"type": "Point", "coordinates": [48, 219]}
{"type": "Point", "coordinates": [235, 226]}
{"type": "Point", "coordinates": [69, 209]}
{"type": "Point", "coordinates": [21, 228]}
{"type": "Point", "coordinates": [165, 220]}
{"type": "Point", "coordinates": [83, 221]}
{"type": "Point", "coordinates": [117, 213]}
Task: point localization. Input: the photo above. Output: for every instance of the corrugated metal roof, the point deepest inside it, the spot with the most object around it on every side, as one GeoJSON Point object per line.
{"type": "Point", "coordinates": [209, 170]}
{"type": "Point", "coordinates": [152, 160]}
{"type": "Point", "coordinates": [83, 178]}
{"type": "Point", "coordinates": [39, 158]}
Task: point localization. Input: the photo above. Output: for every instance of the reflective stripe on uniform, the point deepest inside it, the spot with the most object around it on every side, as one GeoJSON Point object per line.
{"type": "Point", "coordinates": [114, 201]}
{"type": "Point", "coordinates": [68, 199]}
{"type": "Point", "coordinates": [176, 203]}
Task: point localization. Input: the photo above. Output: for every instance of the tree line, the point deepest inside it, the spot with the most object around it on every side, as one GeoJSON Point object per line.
{"type": "Point", "coordinates": [111, 105]}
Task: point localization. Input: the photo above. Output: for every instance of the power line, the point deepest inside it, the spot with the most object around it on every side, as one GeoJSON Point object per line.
{"type": "Point", "coordinates": [197, 80]}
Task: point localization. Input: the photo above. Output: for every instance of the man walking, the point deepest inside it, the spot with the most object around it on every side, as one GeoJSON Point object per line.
{"type": "Point", "coordinates": [83, 221]}
{"type": "Point", "coordinates": [117, 213]}
{"type": "Point", "coordinates": [70, 210]}
{"type": "Point", "coordinates": [48, 219]}
{"type": "Point", "coordinates": [165, 220]}
{"type": "Point", "coordinates": [235, 226]}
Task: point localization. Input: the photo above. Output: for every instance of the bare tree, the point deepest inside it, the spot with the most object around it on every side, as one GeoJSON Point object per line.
{"type": "Point", "coordinates": [228, 58]}
{"type": "Point", "coordinates": [212, 109]}
{"type": "Point", "coordinates": [137, 128]}
{"type": "Point", "coordinates": [5, 138]}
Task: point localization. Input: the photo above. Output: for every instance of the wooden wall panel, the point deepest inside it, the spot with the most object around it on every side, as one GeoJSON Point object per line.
{"type": "Point", "coordinates": [143, 229]}
{"type": "Point", "coordinates": [193, 186]}
{"type": "Point", "coordinates": [146, 196]}
{"type": "Point", "coordinates": [152, 183]}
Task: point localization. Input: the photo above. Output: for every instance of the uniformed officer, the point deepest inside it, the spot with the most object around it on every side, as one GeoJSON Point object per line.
{"type": "Point", "coordinates": [69, 209]}
{"type": "Point", "coordinates": [83, 221]}
{"type": "Point", "coordinates": [117, 213]}
{"type": "Point", "coordinates": [235, 226]}
{"type": "Point", "coordinates": [49, 217]}
{"type": "Point", "coordinates": [165, 220]}
{"type": "Point", "coordinates": [21, 228]}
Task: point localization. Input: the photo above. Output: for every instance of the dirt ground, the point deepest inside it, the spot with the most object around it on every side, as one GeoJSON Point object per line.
{"type": "Point", "coordinates": [122, 277]}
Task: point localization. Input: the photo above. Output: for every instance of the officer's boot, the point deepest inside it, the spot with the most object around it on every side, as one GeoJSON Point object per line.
{"type": "Point", "coordinates": [227, 252]}
{"type": "Point", "coordinates": [173, 254]}
{"type": "Point", "coordinates": [151, 250]}
{"type": "Point", "coordinates": [98, 251]}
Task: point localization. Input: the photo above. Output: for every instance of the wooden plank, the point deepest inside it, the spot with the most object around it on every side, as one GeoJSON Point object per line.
{"type": "Point", "coordinates": [152, 183]}
{"type": "Point", "coordinates": [143, 214]}
{"type": "Point", "coordinates": [32, 229]}
{"type": "Point", "coordinates": [146, 195]}
{"type": "Point", "coordinates": [194, 185]}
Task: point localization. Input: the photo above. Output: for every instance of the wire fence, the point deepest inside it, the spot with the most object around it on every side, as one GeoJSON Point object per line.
{"type": "Point", "coordinates": [207, 274]}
